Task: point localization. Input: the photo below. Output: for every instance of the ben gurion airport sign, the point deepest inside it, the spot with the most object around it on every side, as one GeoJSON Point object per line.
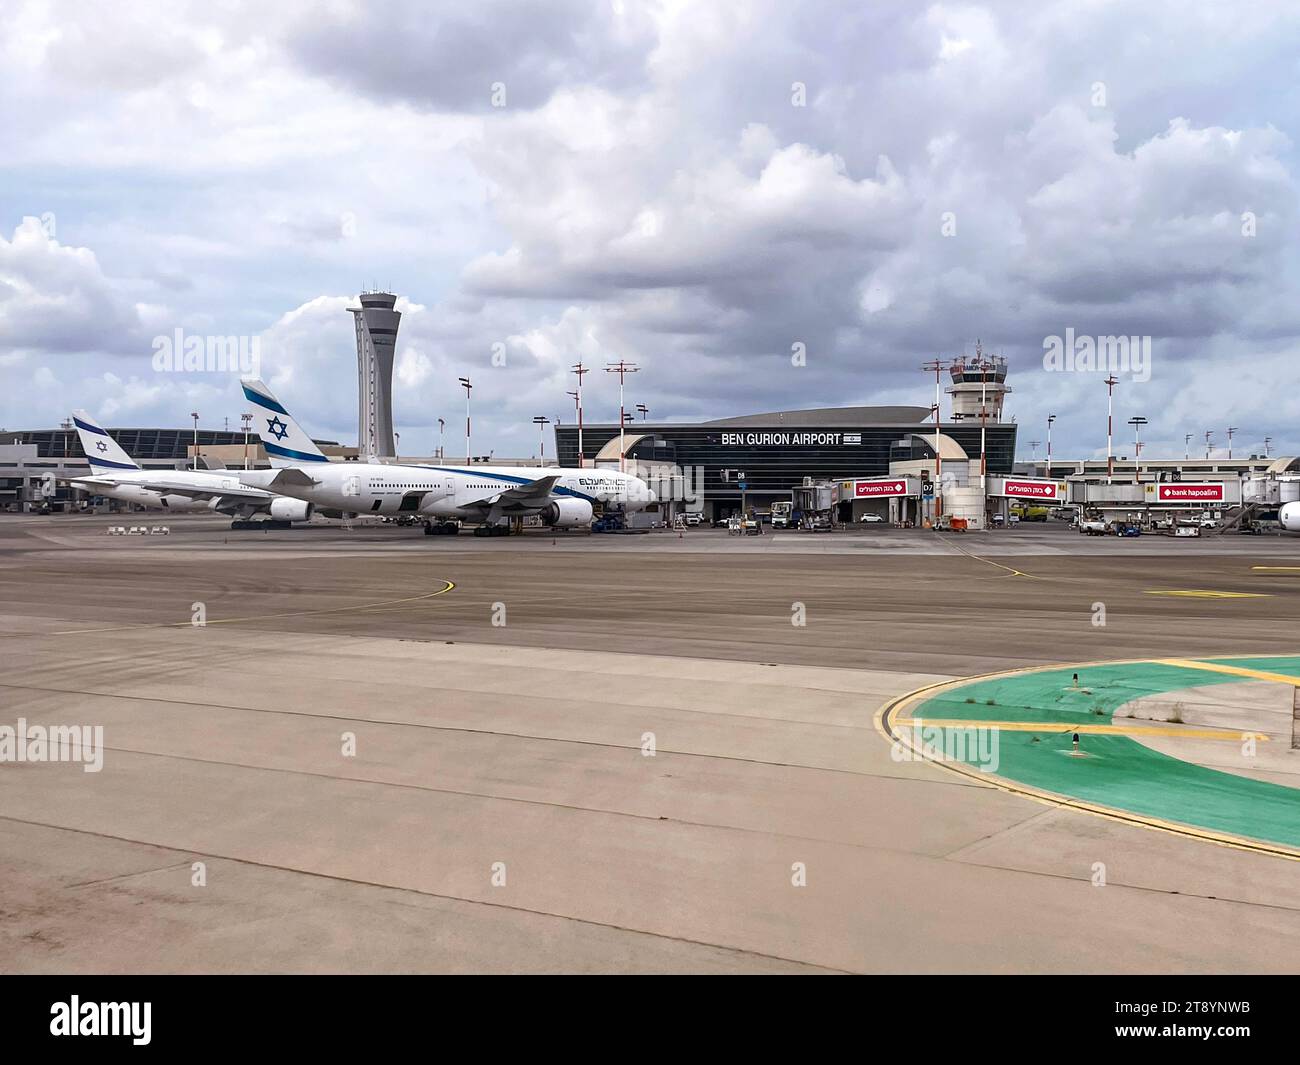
{"type": "Point", "coordinates": [790, 439]}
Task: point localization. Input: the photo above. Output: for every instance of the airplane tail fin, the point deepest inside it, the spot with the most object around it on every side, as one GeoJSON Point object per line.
{"type": "Point", "coordinates": [102, 451]}
{"type": "Point", "coordinates": [285, 442]}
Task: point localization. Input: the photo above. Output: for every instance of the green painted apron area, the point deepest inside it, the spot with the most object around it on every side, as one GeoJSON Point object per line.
{"type": "Point", "coordinates": [1121, 772]}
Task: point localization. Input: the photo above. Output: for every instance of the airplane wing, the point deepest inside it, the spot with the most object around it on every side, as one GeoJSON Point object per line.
{"type": "Point", "coordinates": [291, 475]}
{"type": "Point", "coordinates": [532, 495]}
{"type": "Point", "coordinates": [240, 494]}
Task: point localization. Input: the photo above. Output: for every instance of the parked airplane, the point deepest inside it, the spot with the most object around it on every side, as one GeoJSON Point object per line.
{"type": "Point", "coordinates": [115, 474]}
{"type": "Point", "coordinates": [1289, 517]}
{"type": "Point", "coordinates": [487, 496]}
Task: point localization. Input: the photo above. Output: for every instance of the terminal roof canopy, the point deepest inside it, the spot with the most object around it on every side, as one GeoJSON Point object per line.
{"type": "Point", "coordinates": [819, 417]}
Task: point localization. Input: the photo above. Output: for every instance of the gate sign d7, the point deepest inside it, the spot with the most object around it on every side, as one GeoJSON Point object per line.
{"type": "Point", "coordinates": [893, 486]}
{"type": "Point", "coordinates": [1048, 491]}
{"type": "Point", "coordinates": [1188, 492]}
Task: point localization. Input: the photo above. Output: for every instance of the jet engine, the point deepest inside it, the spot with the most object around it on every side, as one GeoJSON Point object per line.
{"type": "Point", "coordinates": [290, 509]}
{"type": "Point", "coordinates": [1289, 517]}
{"type": "Point", "coordinates": [567, 513]}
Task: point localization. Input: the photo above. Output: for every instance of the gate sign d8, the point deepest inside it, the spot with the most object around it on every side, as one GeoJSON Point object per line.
{"type": "Point", "coordinates": [894, 486]}
{"type": "Point", "coordinates": [1049, 491]}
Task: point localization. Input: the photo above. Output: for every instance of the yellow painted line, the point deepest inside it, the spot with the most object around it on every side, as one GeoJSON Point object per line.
{"type": "Point", "coordinates": [980, 558]}
{"type": "Point", "coordinates": [884, 722]}
{"type": "Point", "coordinates": [1207, 593]}
{"type": "Point", "coordinates": [1235, 671]}
{"type": "Point", "coordinates": [447, 587]}
{"type": "Point", "coordinates": [1059, 727]}
{"type": "Point", "coordinates": [1277, 569]}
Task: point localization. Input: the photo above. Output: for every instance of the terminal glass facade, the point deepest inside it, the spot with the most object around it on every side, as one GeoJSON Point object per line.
{"type": "Point", "coordinates": [774, 459]}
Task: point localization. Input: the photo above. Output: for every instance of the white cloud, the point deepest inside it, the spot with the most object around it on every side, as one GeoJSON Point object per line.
{"type": "Point", "coordinates": [651, 192]}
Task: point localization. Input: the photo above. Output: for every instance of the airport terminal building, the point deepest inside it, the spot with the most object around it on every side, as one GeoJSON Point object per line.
{"type": "Point", "coordinates": [764, 456]}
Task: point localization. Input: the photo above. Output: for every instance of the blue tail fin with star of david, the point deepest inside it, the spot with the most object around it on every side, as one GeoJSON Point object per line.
{"type": "Point", "coordinates": [285, 442]}
{"type": "Point", "coordinates": [102, 452]}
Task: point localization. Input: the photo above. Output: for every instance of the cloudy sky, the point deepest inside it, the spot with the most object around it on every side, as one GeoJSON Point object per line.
{"type": "Point", "coordinates": [694, 187]}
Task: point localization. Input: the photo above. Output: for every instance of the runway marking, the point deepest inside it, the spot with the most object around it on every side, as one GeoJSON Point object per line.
{"type": "Point", "coordinates": [1277, 569]}
{"type": "Point", "coordinates": [1235, 671]}
{"type": "Point", "coordinates": [1061, 727]}
{"type": "Point", "coordinates": [885, 723]}
{"type": "Point", "coordinates": [1208, 593]}
{"type": "Point", "coordinates": [447, 587]}
{"type": "Point", "coordinates": [1011, 570]}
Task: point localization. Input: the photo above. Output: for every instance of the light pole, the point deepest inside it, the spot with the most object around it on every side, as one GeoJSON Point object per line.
{"type": "Point", "coordinates": [469, 455]}
{"type": "Point", "coordinates": [541, 422]}
{"type": "Point", "coordinates": [621, 368]}
{"type": "Point", "coordinates": [397, 444]}
{"type": "Point", "coordinates": [1231, 429]}
{"type": "Point", "coordinates": [247, 419]}
{"type": "Point", "coordinates": [1137, 421]}
{"type": "Point", "coordinates": [577, 406]}
{"type": "Point", "coordinates": [984, 370]}
{"type": "Point", "coordinates": [1111, 382]}
{"type": "Point", "coordinates": [1268, 446]}
{"type": "Point", "coordinates": [643, 410]}
{"type": "Point", "coordinates": [442, 454]}
{"type": "Point", "coordinates": [1050, 418]}
{"type": "Point", "coordinates": [937, 366]}
{"type": "Point", "coordinates": [1187, 446]}
{"type": "Point", "coordinates": [1208, 434]}
{"type": "Point", "coordinates": [195, 415]}
{"type": "Point", "coordinates": [579, 369]}
{"type": "Point", "coordinates": [1033, 444]}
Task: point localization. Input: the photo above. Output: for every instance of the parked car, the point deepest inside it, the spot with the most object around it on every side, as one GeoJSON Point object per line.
{"type": "Point", "coordinates": [872, 519]}
{"type": "Point", "coordinates": [1092, 527]}
{"type": "Point", "coordinates": [693, 518]}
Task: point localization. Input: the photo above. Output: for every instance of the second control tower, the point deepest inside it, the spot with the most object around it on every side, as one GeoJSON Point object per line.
{"type": "Point", "coordinates": [376, 324]}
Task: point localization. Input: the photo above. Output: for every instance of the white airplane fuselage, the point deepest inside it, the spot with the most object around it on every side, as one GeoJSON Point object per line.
{"type": "Point", "coordinates": [1289, 517]}
{"type": "Point", "coordinates": [124, 487]}
{"type": "Point", "coordinates": [127, 486]}
{"type": "Point", "coordinates": [451, 492]}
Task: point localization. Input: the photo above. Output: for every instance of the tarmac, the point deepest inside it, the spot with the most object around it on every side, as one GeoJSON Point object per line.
{"type": "Point", "coordinates": [385, 752]}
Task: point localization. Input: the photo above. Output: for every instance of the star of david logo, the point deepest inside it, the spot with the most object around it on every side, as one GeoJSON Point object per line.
{"type": "Point", "coordinates": [101, 445]}
{"type": "Point", "coordinates": [277, 428]}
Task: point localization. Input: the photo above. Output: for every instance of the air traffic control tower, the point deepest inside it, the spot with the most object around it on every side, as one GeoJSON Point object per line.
{"type": "Point", "coordinates": [376, 323]}
{"type": "Point", "coordinates": [978, 388]}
